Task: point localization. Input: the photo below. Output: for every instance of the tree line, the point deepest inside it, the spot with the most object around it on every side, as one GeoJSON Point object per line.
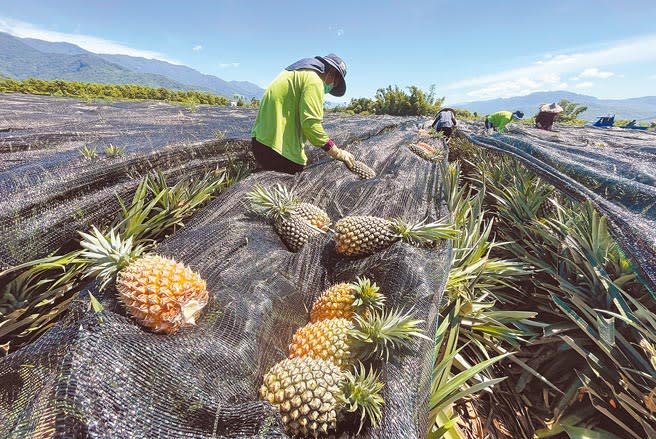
{"type": "Point", "coordinates": [87, 90]}
{"type": "Point", "coordinates": [395, 101]}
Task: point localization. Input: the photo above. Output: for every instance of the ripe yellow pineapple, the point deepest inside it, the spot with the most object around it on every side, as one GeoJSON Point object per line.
{"type": "Point", "coordinates": [310, 394]}
{"type": "Point", "coordinates": [365, 235]}
{"type": "Point", "coordinates": [346, 299]}
{"type": "Point", "coordinates": [293, 221]}
{"type": "Point", "coordinates": [363, 171]}
{"type": "Point", "coordinates": [162, 294]}
{"type": "Point", "coordinates": [344, 341]}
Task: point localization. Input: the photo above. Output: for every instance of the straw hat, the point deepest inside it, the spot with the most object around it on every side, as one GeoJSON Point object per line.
{"type": "Point", "coordinates": [551, 108]}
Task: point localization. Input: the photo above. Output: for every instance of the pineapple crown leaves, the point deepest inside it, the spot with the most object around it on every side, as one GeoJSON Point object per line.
{"type": "Point", "coordinates": [423, 233]}
{"type": "Point", "coordinates": [382, 331]}
{"type": "Point", "coordinates": [361, 392]}
{"type": "Point", "coordinates": [107, 254]}
{"type": "Point", "coordinates": [274, 203]}
{"type": "Point", "coordinates": [367, 295]}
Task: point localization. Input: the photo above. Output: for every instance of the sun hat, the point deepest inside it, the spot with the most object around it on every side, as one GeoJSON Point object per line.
{"type": "Point", "coordinates": [551, 108]}
{"type": "Point", "coordinates": [338, 64]}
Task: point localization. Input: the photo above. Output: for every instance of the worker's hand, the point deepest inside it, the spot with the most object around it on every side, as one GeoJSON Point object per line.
{"type": "Point", "coordinates": [342, 156]}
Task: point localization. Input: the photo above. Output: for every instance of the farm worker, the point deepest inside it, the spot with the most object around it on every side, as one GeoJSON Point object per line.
{"type": "Point", "coordinates": [445, 121]}
{"type": "Point", "coordinates": [498, 121]}
{"type": "Point", "coordinates": [545, 118]}
{"type": "Point", "coordinates": [291, 112]}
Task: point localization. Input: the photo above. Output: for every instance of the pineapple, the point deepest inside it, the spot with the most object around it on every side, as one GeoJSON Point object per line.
{"type": "Point", "coordinates": [365, 235]}
{"type": "Point", "coordinates": [310, 394]}
{"type": "Point", "coordinates": [314, 215]}
{"type": "Point", "coordinates": [293, 221]}
{"type": "Point", "coordinates": [162, 294]}
{"type": "Point", "coordinates": [346, 299]}
{"type": "Point", "coordinates": [344, 341]}
{"type": "Point", "coordinates": [363, 171]}
{"type": "Point", "coordinates": [424, 150]}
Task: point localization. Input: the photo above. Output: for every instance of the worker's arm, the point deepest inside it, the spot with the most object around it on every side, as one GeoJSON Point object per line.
{"type": "Point", "coordinates": [311, 113]}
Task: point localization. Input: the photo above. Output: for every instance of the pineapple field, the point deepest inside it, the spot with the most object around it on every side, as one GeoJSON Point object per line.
{"type": "Point", "coordinates": [153, 285]}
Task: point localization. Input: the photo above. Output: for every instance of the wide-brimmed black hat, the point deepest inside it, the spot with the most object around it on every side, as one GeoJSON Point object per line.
{"type": "Point", "coordinates": [338, 64]}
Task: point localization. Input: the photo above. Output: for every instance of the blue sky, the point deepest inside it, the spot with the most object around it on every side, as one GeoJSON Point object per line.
{"type": "Point", "coordinates": [471, 50]}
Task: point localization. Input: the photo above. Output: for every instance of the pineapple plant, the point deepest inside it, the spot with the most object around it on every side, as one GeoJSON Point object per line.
{"type": "Point", "coordinates": [293, 221]}
{"type": "Point", "coordinates": [344, 341]}
{"type": "Point", "coordinates": [160, 293]}
{"type": "Point", "coordinates": [365, 235]}
{"type": "Point", "coordinates": [310, 394]}
{"type": "Point", "coordinates": [361, 170]}
{"type": "Point", "coordinates": [343, 300]}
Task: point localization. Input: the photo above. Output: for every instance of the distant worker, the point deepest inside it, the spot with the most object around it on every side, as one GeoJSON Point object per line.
{"type": "Point", "coordinates": [545, 118]}
{"type": "Point", "coordinates": [445, 121]}
{"type": "Point", "coordinates": [498, 121]}
{"type": "Point", "coordinates": [291, 112]}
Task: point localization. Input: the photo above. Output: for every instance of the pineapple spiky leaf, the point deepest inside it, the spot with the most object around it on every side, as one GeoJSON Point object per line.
{"type": "Point", "coordinates": [382, 331]}
{"type": "Point", "coordinates": [276, 203]}
{"type": "Point", "coordinates": [367, 296]}
{"type": "Point", "coordinates": [106, 254]}
{"type": "Point", "coordinates": [423, 233]}
{"type": "Point", "coordinates": [361, 392]}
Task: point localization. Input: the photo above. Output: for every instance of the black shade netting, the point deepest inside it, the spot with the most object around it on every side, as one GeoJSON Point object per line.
{"type": "Point", "coordinates": [100, 375]}
{"type": "Point", "coordinates": [614, 168]}
{"type": "Point", "coordinates": [49, 190]}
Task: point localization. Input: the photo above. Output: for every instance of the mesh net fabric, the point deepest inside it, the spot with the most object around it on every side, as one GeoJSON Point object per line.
{"type": "Point", "coordinates": [48, 190]}
{"type": "Point", "coordinates": [100, 375]}
{"type": "Point", "coordinates": [614, 168]}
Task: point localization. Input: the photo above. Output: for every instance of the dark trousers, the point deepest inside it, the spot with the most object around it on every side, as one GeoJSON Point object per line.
{"type": "Point", "coordinates": [447, 131]}
{"type": "Point", "coordinates": [269, 160]}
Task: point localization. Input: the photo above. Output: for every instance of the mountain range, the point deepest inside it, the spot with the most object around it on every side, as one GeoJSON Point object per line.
{"type": "Point", "coordinates": [641, 109]}
{"type": "Point", "coordinates": [22, 58]}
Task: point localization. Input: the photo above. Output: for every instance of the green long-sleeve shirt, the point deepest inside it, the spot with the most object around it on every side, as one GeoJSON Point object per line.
{"type": "Point", "coordinates": [500, 119]}
{"type": "Point", "coordinates": [291, 112]}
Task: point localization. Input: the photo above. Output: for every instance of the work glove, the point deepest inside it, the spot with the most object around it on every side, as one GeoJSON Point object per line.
{"type": "Point", "coordinates": [342, 156]}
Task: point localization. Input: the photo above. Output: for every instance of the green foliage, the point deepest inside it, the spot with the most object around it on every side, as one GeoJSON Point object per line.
{"type": "Point", "coordinates": [396, 102]}
{"type": "Point", "coordinates": [107, 91]}
{"type": "Point", "coordinates": [467, 115]}
{"type": "Point", "coordinates": [588, 355]}
{"type": "Point", "coordinates": [571, 112]}
{"type": "Point", "coordinates": [89, 152]}
{"type": "Point", "coordinates": [113, 151]}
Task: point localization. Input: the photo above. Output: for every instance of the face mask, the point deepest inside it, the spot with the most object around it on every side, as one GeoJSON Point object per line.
{"type": "Point", "coordinates": [327, 88]}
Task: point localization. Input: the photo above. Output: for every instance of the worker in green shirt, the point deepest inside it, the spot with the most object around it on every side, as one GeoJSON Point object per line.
{"type": "Point", "coordinates": [498, 121]}
{"type": "Point", "coordinates": [291, 112]}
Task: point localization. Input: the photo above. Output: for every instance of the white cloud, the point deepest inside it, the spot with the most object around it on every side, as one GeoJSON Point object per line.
{"type": "Point", "coordinates": [586, 84]}
{"type": "Point", "coordinates": [229, 65]}
{"type": "Point", "coordinates": [92, 44]}
{"type": "Point", "coordinates": [544, 74]}
{"type": "Point", "coordinates": [197, 48]}
{"type": "Point", "coordinates": [593, 73]}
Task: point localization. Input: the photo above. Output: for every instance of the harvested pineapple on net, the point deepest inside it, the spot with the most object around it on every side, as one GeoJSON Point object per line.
{"type": "Point", "coordinates": [160, 293]}
{"type": "Point", "coordinates": [294, 221]}
{"type": "Point", "coordinates": [311, 394]}
{"type": "Point", "coordinates": [343, 300]}
{"type": "Point", "coordinates": [343, 341]}
{"type": "Point", "coordinates": [425, 151]}
{"type": "Point", "coordinates": [365, 235]}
